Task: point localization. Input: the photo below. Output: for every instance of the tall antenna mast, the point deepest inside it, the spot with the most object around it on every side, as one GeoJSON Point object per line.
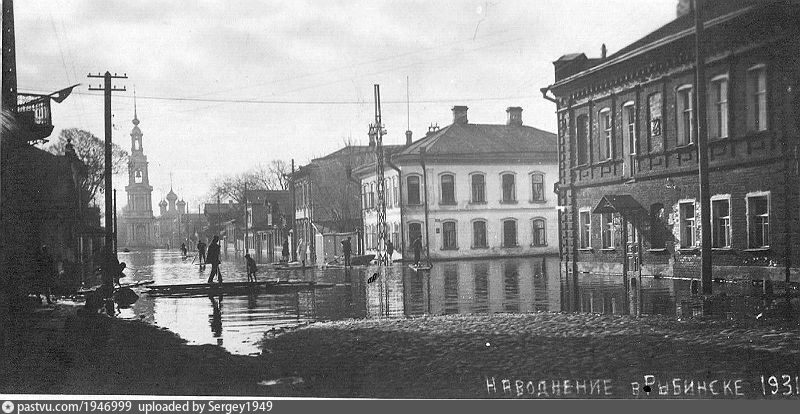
{"type": "Point", "coordinates": [376, 130]}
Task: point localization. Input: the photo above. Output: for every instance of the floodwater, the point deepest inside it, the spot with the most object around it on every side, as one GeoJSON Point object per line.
{"type": "Point", "coordinates": [237, 322]}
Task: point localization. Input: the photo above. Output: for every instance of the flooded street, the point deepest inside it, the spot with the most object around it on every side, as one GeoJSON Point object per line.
{"type": "Point", "coordinates": [237, 322]}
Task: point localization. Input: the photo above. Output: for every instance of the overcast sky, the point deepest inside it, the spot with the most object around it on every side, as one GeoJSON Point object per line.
{"type": "Point", "coordinates": [309, 66]}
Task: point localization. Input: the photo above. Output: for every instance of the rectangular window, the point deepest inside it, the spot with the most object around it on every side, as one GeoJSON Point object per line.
{"type": "Point", "coordinates": [654, 103]}
{"type": "Point", "coordinates": [758, 221]}
{"type": "Point", "coordinates": [539, 235]}
{"type": "Point", "coordinates": [718, 111]}
{"type": "Point", "coordinates": [684, 113]}
{"type": "Point", "coordinates": [448, 189]}
{"type": "Point", "coordinates": [449, 235]}
{"type": "Point", "coordinates": [607, 230]}
{"type": "Point", "coordinates": [537, 187]}
{"type": "Point", "coordinates": [757, 99]}
{"type": "Point", "coordinates": [630, 127]}
{"type": "Point", "coordinates": [413, 190]}
{"type": "Point", "coordinates": [606, 140]}
{"type": "Point", "coordinates": [582, 139]}
{"type": "Point", "coordinates": [479, 234]}
{"type": "Point", "coordinates": [478, 188]}
{"type": "Point", "coordinates": [509, 233]}
{"type": "Point", "coordinates": [721, 223]}
{"type": "Point", "coordinates": [509, 194]}
{"type": "Point", "coordinates": [586, 229]}
{"type": "Point", "coordinates": [687, 212]}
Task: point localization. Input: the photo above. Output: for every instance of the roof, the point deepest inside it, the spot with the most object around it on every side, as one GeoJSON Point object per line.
{"type": "Point", "coordinates": [282, 197]}
{"type": "Point", "coordinates": [477, 140]}
{"type": "Point", "coordinates": [714, 12]}
{"type": "Point", "coordinates": [623, 203]}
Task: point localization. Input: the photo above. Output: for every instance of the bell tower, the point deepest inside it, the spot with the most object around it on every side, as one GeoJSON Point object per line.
{"type": "Point", "coordinates": [139, 220]}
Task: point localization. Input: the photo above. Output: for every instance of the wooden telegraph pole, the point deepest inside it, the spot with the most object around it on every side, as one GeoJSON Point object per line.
{"type": "Point", "coordinates": [108, 88]}
{"type": "Point", "coordinates": [701, 123]}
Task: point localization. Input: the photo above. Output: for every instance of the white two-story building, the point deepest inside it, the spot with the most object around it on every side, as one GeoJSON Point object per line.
{"type": "Point", "coordinates": [470, 190]}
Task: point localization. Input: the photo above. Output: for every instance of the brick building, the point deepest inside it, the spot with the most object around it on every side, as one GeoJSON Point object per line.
{"type": "Point", "coordinates": [628, 172]}
{"type": "Point", "coordinates": [326, 197]}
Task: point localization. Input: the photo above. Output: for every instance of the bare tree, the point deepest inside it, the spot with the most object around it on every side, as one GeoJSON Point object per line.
{"type": "Point", "coordinates": [91, 150]}
{"type": "Point", "coordinates": [261, 177]}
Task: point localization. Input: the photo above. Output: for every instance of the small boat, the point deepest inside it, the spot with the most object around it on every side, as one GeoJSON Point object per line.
{"type": "Point", "coordinates": [362, 260]}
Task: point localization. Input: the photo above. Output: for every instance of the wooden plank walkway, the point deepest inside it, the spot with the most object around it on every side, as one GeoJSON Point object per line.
{"type": "Point", "coordinates": [232, 287]}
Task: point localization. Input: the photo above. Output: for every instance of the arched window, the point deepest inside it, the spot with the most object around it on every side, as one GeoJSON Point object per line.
{"type": "Point", "coordinates": [479, 234]}
{"type": "Point", "coordinates": [582, 139]}
{"type": "Point", "coordinates": [539, 232]}
{"type": "Point", "coordinates": [137, 177]}
{"type": "Point", "coordinates": [509, 233]}
{"type": "Point", "coordinates": [413, 190]}
{"type": "Point", "coordinates": [449, 240]}
{"type": "Point", "coordinates": [509, 188]}
{"type": "Point", "coordinates": [537, 187]}
{"type": "Point", "coordinates": [478, 188]}
{"type": "Point", "coordinates": [448, 189]}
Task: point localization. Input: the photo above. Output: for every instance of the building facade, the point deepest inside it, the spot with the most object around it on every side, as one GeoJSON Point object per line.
{"type": "Point", "coordinates": [628, 170]}
{"type": "Point", "coordinates": [479, 190]}
{"type": "Point", "coordinates": [326, 197]}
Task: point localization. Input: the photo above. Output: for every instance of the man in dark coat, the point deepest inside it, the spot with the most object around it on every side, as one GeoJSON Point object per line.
{"type": "Point", "coordinates": [285, 250]}
{"type": "Point", "coordinates": [346, 249]}
{"type": "Point", "coordinates": [201, 252]}
{"type": "Point", "coordinates": [417, 246]}
{"type": "Point", "coordinates": [389, 251]}
{"type": "Point", "coordinates": [213, 258]}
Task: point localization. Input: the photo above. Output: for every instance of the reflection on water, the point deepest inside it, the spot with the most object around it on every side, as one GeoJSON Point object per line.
{"type": "Point", "coordinates": [237, 322]}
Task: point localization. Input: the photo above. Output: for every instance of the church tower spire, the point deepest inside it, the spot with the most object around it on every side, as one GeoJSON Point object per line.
{"type": "Point", "coordinates": [138, 220]}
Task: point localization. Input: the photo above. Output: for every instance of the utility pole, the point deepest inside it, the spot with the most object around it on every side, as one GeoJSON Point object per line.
{"type": "Point", "coordinates": [108, 88]}
{"type": "Point", "coordinates": [244, 196]}
{"type": "Point", "coordinates": [293, 253]}
{"type": "Point", "coordinates": [377, 131]}
{"type": "Point", "coordinates": [116, 240]}
{"type": "Point", "coordinates": [701, 127]}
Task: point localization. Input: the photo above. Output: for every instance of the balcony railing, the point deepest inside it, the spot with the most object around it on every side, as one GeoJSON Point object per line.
{"type": "Point", "coordinates": [33, 115]}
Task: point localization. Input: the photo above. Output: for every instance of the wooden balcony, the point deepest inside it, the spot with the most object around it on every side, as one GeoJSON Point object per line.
{"type": "Point", "coordinates": [34, 117]}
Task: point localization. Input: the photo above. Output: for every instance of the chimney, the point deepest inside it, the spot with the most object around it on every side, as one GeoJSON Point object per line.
{"type": "Point", "coordinates": [460, 115]}
{"type": "Point", "coordinates": [684, 7]}
{"type": "Point", "coordinates": [603, 51]}
{"type": "Point", "coordinates": [408, 138]}
{"type": "Point", "coordinates": [514, 115]}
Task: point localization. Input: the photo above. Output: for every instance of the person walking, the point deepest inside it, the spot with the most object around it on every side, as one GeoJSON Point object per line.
{"type": "Point", "coordinates": [285, 250]}
{"type": "Point", "coordinates": [389, 251]}
{"type": "Point", "coordinates": [347, 250]}
{"type": "Point", "coordinates": [417, 246]}
{"type": "Point", "coordinates": [201, 252]}
{"type": "Point", "coordinates": [213, 258]}
{"type": "Point", "coordinates": [184, 250]}
{"type": "Point", "coordinates": [251, 268]}
{"type": "Point", "coordinates": [301, 252]}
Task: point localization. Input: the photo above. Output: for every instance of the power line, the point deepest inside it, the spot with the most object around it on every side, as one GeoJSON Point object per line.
{"type": "Point", "coordinates": [307, 102]}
